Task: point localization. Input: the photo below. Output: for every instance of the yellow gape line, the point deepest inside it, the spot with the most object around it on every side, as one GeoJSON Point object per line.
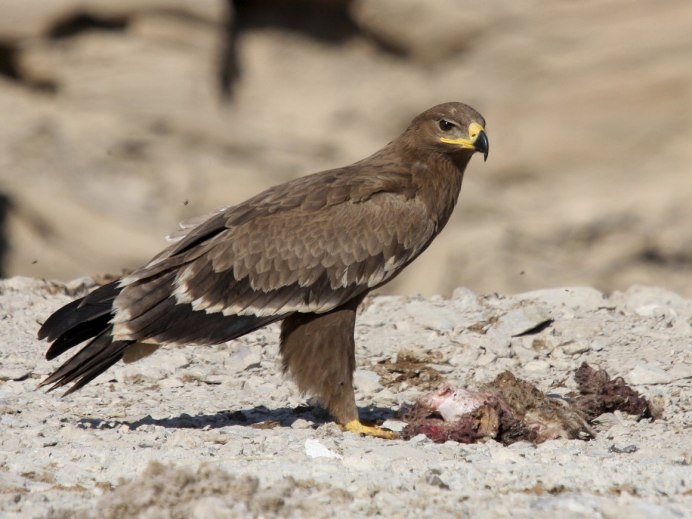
{"type": "Point", "coordinates": [474, 131]}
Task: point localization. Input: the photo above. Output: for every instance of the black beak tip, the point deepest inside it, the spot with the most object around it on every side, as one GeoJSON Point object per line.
{"type": "Point", "coordinates": [482, 145]}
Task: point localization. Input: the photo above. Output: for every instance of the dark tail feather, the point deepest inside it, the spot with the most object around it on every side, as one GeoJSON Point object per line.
{"type": "Point", "coordinates": [76, 335]}
{"type": "Point", "coordinates": [92, 360]}
{"type": "Point", "coordinates": [75, 314]}
{"type": "Point", "coordinates": [76, 322]}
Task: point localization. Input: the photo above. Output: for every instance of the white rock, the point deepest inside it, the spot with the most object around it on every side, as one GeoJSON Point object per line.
{"type": "Point", "coordinates": [301, 423]}
{"type": "Point", "coordinates": [648, 374]}
{"type": "Point", "coordinates": [394, 425]}
{"type": "Point", "coordinates": [520, 320]}
{"type": "Point", "coordinates": [640, 509]}
{"type": "Point", "coordinates": [420, 439]}
{"type": "Point", "coordinates": [367, 381]}
{"type": "Point", "coordinates": [403, 326]}
{"type": "Point", "coordinates": [22, 284]}
{"type": "Point", "coordinates": [184, 438]}
{"type": "Point", "coordinates": [583, 298]}
{"type": "Point", "coordinates": [537, 366]}
{"type": "Point", "coordinates": [314, 449]}
{"type": "Point", "coordinates": [232, 448]}
{"type": "Point", "coordinates": [130, 373]}
{"type": "Point", "coordinates": [171, 382]}
{"type": "Point", "coordinates": [523, 352]}
{"type": "Point", "coordinates": [244, 358]}
{"type": "Point", "coordinates": [174, 360]}
{"type": "Point", "coordinates": [598, 343]}
{"type": "Point", "coordinates": [464, 297]}
{"type": "Point", "coordinates": [575, 348]}
{"type": "Point", "coordinates": [10, 373]}
{"type": "Point", "coordinates": [680, 371]}
{"type": "Point", "coordinates": [485, 359]}
{"type": "Point", "coordinates": [439, 318]}
{"type": "Point", "coordinates": [644, 299]}
{"type": "Point", "coordinates": [499, 345]}
{"type": "Point", "coordinates": [466, 357]}
{"type": "Point", "coordinates": [657, 311]}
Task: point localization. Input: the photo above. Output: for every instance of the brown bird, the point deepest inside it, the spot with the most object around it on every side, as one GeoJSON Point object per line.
{"type": "Point", "coordinates": [305, 252]}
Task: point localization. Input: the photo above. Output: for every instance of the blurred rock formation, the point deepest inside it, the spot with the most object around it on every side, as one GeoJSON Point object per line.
{"type": "Point", "coordinates": [121, 117]}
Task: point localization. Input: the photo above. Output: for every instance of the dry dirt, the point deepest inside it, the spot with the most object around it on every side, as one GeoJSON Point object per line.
{"type": "Point", "coordinates": [121, 118]}
{"type": "Point", "coordinates": [218, 432]}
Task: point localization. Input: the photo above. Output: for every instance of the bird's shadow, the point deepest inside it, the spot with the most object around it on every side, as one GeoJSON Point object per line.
{"type": "Point", "coordinates": [258, 417]}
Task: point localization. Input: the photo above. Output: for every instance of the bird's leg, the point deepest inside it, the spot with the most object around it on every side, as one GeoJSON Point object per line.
{"type": "Point", "coordinates": [319, 352]}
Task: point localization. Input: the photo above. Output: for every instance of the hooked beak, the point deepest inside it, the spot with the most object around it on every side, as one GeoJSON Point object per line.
{"type": "Point", "coordinates": [477, 141]}
{"type": "Point", "coordinates": [482, 145]}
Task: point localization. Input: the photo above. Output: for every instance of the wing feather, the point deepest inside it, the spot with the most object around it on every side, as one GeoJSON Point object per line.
{"type": "Point", "coordinates": [305, 246]}
{"type": "Point", "coordinates": [352, 247]}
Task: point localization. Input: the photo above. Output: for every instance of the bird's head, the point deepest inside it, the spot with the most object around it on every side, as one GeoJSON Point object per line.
{"type": "Point", "coordinates": [451, 128]}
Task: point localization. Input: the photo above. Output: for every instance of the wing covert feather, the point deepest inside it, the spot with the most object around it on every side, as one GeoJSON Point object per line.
{"type": "Point", "coordinates": [305, 246]}
{"type": "Point", "coordinates": [304, 261]}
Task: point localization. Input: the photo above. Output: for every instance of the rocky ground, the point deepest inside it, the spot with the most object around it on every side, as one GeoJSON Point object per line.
{"type": "Point", "coordinates": [120, 118]}
{"type": "Point", "coordinates": [218, 432]}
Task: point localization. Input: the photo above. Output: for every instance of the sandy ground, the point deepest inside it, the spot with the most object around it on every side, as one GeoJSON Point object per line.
{"type": "Point", "coordinates": [218, 432]}
{"type": "Point", "coordinates": [114, 128]}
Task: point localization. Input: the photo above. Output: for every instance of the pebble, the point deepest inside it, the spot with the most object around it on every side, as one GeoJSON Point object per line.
{"type": "Point", "coordinates": [519, 321]}
{"type": "Point", "coordinates": [627, 449]}
{"type": "Point", "coordinates": [171, 382]}
{"type": "Point", "coordinates": [598, 343]}
{"type": "Point", "coordinates": [314, 449]}
{"type": "Point", "coordinates": [656, 310]}
{"type": "Point", "coordinates": [403, 326]}
{"type": "Point", "coordinates": [521, 352]}
{"type": "Point", "coordinates": [680, 371]}
{"type": "Point", "coordinates": [244, 358]}
{"type": "Point", "coordinates": [232, 448]}
{"type": "Point", "coordinates": [420, 439]}
{"type": "Point", "coordinates": [575, 348]}
{"type": "Point", "coordinates": [463, 297]}
{"type": "Point", "coordinates": [14, 374]}
{"type": "Point", "coordinates": [643, 374]}
{"type": "Point", "coordinates": [485, 359]}
{"type": "Point", "coordinates": [582, 298]}
{"type": "Point", "coordinates": [608, 420]}
{"type": "Point", "coordinates": [367, 381]}
{"type": "Point", "coordinates": [173, 360]}
{"type": "Point", "coordinates": [301, 423]}
{"type": "Point", "coordinates": [394, 425]}
{"type": "Point", "coordinates": [432, 478]}
{"type": "Point", "coordinates": [537, 366]}
{"type": "Point", "coordinates": [185, 438]}
{"type": "Point", "coordinates": [500, 346]}
{"type": "Point", "coordinates": [438, 318]}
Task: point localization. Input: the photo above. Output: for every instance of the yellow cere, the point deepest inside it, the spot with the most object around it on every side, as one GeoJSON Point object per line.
{"type": "Point", "coordinates": [474, 130]}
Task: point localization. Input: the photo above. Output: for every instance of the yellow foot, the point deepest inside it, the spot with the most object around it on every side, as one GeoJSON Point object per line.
{"type": "Point", "coordinates": [357, 427]}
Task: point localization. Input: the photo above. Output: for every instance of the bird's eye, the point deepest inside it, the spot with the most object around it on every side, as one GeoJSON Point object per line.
{"type": "Point", "coordinates": [445, 125]}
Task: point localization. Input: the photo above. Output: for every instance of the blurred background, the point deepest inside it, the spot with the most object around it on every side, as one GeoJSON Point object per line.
{"type": "Point", "coordinates": [118, 118]}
